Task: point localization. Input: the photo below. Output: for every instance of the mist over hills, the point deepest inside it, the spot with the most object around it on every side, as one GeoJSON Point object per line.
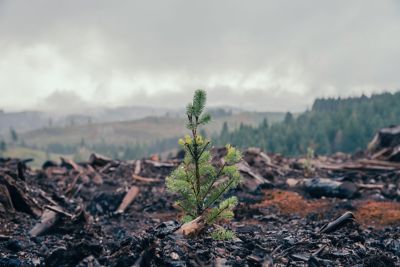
{"type": "Point", "coordinates": [30, 120]}
{"type": "Point", "coordinates": [24, 121]}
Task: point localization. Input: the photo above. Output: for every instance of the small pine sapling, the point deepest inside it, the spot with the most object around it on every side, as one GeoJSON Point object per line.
{"type": "Point", "coordinates": [308, 166]}
{"type": "Point", "coordinates": [202, 187]}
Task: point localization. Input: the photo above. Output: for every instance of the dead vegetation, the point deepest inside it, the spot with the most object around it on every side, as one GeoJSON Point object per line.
{"type": "Point", "coordinates": [116, 213]}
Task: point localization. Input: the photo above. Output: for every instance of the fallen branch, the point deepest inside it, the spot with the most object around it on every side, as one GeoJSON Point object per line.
{"type": "Point", "coordinates": [72, 185]}
{"type": "Point", "coordinates": [43, 195]}
{"type": "Point", "coordinates": [59, 211]}
{"type": "Point", "coordinates": [371, 186]}
{"type": "Point", "coordinates": [145, 179]}
{"type": "Point", "coordinates": [159, 164]}
{"type": "Point", "coordinates": [363, 164]}
{"type": "Point", "coordinates": [337, 223]}
{"type": "Point", "coordinates": [380, 153]}
{"type": "Point", "coordinates": [371, 162]}
{"type": "Point", "coordinates": [129, 197]}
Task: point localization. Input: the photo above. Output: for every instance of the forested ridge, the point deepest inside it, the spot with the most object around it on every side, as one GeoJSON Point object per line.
{"type": "Point", "coordinates": [332, 124]}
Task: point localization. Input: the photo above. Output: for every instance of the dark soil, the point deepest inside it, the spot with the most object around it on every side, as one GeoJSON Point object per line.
{"type": "Point", "coordinates": [276, 224]}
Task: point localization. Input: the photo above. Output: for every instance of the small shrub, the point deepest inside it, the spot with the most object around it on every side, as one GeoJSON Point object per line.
{"type": "Point", "coordinates": [222, 234]}
{"type": "Point", "coordinates": [308, 166]}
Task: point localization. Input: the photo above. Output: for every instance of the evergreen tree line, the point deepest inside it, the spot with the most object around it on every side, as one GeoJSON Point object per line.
{"type": "Point", "coordinates": [332, 125]}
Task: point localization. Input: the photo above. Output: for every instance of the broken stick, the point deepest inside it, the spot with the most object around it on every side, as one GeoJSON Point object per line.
{"type": "Point", "coordinates": [337, 223]}
{"type": "Point", "coordinates": [47, 221]}
{"type": "Point", "coordinates": [129, 197]}
{"type": "Point", "coordinates": [192, 228]}
{"type": "Point", "coordinates": [145, 179]}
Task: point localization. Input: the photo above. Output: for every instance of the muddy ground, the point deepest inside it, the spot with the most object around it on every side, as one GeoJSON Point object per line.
{"type": "Point", "coordinates": [70, 214]}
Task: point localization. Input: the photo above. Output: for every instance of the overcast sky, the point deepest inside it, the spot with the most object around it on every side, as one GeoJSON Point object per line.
{"type": "Point", "coordinates": [265, 55]}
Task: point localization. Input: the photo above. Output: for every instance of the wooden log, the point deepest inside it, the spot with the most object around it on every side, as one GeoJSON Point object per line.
{"type": "Point", "coordinates": [324, 187]}
{"type": "Point", "coordinates": [128, 199]}
{"type": "Point", "coordinates": [319, 187]}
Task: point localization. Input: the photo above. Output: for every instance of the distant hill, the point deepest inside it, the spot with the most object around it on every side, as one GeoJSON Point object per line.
{"type": "Point", "coordinates": [130, 132]}
{"type": "Point", "coordinates": [25, 121]}
{"type": "Point", "coordinates": [32, 120]}
{"type": "Point", "coordinates": [21, 121]}
{"type": "Point", "coordinates": [333, 124]}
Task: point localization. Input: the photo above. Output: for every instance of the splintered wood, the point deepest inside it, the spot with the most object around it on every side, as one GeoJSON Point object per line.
{"type": "Point", "coordinates": [128, 199]}
{"type": "Point", "coordinates": [47, 221]}
{"type": "Point", "coordinates": [17, 196]}
{"type": "Point", "coordinates": [192, 228]}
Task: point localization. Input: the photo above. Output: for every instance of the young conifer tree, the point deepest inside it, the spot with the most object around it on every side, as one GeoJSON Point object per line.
{"type": "Point", "coordinates": [202, 186]}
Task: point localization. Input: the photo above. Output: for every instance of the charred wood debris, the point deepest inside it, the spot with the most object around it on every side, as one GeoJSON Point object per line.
{"type": "Point", "coordinates": [341, 210]}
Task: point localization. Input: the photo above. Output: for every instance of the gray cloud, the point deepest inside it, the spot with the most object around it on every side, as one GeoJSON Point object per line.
{"type": "Point", "coordinates": [269, 55]}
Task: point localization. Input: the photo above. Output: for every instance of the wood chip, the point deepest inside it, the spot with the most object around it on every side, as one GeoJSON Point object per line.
{"type": "Point", "coordinates": [128, 199]}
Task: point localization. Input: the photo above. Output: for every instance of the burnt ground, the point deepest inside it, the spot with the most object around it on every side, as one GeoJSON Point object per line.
{"type": "Point", "coordinates": [70, 214]}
